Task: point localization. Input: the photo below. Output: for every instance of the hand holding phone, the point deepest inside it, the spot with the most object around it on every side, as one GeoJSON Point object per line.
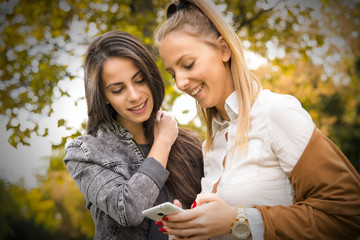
{"type": "Point", "coordinates": [156, 213]}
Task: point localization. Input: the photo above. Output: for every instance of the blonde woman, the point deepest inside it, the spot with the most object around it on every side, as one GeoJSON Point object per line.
{"type": "Point", "coordinates": [269, 172]}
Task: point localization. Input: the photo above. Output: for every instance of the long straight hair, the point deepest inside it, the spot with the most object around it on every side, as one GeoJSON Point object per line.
{"type": "Point", "coordinates": [199, 18]}
{"type": "Point", "coordinates": [185, 158]}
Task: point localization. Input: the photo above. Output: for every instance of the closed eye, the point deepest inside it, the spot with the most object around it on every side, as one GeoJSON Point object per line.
{"type": "Point", "coordinates": [189, 66]}
{"type": "Point", "coordinates": [142, 81]}
{"type": "Point", "coordinates": [118, 91]}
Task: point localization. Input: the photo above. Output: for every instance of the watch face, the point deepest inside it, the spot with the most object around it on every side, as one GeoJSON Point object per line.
{"type": "Point", "coordinates": [241, 230]}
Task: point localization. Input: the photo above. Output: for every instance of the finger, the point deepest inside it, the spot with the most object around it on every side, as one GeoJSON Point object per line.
{"type": "Point", "coordinates": [162, 113]}
{"type": "Point", "coordinates": [206, 198]}
{"type": "Point", "coordinates": [158, 115]}
{"type": "Point", "coordinates": [192, 238]}
{"type": "Point", "coordinates": [184, 220]}
{"type": "Point", "coordinates": [177, 203]}
{"type": "Point", "coordinates": [187, 233]}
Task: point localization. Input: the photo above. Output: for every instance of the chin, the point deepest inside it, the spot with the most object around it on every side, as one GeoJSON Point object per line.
{"type": "Point", "coordinates": [205, 105]}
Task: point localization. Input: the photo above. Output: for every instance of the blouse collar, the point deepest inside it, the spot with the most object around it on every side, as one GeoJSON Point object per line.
{"type": "Point", "coordinates": [231, 108]}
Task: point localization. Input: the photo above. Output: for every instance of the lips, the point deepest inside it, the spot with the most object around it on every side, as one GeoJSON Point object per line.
{"type": "Point", "coordinates": [197, 90]}
{"type": "Point", "coordinates": [138, 107]}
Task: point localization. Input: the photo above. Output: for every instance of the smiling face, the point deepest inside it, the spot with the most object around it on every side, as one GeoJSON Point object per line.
{"type": "Point", "coordinates": [127, 92]}
{"type": "Point", "coordinates": [199, 68]}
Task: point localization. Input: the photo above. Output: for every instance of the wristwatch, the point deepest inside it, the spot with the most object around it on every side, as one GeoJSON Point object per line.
{"type": "Point", "coordinates": [241, 227]}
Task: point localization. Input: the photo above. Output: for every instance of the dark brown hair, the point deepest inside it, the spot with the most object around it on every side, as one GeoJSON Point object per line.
{"type": "Point", "coordinates": [185, 158]}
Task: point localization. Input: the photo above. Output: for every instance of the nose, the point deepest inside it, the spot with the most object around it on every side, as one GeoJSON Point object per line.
{"type": "Point", "coordinates": [182, 82]}
{"type": "Point", "coordinates": [133, 93]}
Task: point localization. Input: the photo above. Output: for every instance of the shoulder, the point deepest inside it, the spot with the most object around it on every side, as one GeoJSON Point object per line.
{"type": "Point", "coordinates": [276, 101]}
{"type": "Point", "coordinates": [80, 147]}
{"type": "Point", "coordinates": [284, 110]}
{"type": "Point", "coordinates": [81, 142]}
{"type": "Point", "coordinates": [289, 127]}
{"type": "Point", "coordinates": [89, 144]}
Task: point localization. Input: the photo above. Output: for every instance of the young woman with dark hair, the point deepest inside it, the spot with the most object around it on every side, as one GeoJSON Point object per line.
{"type": "Point", "coordinates": [133, 155]}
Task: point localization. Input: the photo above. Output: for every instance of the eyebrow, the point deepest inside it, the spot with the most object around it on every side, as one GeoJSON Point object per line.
{"type": "Point", "coordinates": [120, 83]}
{"type": "Point", "coordinates": [179, 60]}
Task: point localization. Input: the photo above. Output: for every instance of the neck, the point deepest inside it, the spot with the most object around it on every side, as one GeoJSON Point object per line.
{"type": "Point", "coordinates": [136, 129]}
{"type": "Point", "coordinates": [223, 113]}
{"type": "Point", "coordinates": [139, 136]}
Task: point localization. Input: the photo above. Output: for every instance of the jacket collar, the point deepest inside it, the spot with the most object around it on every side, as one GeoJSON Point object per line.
{"type": "Point", "coordinates": [116, 129]}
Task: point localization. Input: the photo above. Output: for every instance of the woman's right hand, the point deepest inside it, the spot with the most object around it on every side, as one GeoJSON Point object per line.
{"type": "Point", "coordinates": [166, 129]}
{"type": "Point", "coordinates": [165, 134]}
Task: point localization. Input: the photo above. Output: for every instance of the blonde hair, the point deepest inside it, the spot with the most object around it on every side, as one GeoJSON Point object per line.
{"type": "Point", "coordinates": [200, 19]}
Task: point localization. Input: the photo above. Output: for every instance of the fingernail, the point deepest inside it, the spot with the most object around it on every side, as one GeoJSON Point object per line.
{"type": "Point", "coordinates": [165, 219]}
{"type": "Point", "coordinates": [193, 205]}
{"type": "Point", "coordinates": [163, 230]}
{"type": "Point", "coordinates": [159, 223]}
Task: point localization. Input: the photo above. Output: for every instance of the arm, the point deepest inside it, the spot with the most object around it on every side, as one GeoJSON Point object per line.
{"type": "Point", "coordinates": [327, 188]}
{"type": "Point", "coordinates": [116, 194]}
{"type": "Point", "coordinates": [327, 197]}
{"type": "Point", "coordinates": [165, 134]}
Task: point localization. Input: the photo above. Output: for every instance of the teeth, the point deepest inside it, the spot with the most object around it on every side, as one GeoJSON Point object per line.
{"type": "Point", "coordinates": [138, 108]}
{"type": "Point", "coordinates": [197, 90]}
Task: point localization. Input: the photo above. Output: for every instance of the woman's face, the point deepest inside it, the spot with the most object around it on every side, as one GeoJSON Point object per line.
{"type": "Point", "coordinates": [199, 69]}
{"type": "Point", "coordinates": [127, 92]}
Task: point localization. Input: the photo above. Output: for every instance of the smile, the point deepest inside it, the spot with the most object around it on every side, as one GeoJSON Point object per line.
{"type": "Point", "coordinates": [137, 108]}
{"type": "Point", "coordinates": [197, 90]}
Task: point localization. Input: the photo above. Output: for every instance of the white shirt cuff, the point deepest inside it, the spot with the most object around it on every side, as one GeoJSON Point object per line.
{"type": "Point", "coordinates": [256, 223]}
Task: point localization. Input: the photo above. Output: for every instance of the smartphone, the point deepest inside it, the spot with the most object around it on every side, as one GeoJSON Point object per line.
{"type": "Point", "coordinates": [157, 212]}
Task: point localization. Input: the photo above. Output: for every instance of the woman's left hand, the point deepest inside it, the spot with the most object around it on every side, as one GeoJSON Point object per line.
{"type": "Point", "coordinates": [212, 217]}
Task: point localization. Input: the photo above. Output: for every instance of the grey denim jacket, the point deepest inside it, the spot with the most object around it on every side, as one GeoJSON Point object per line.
{"type": "Point", "coordinates": [116, 181]}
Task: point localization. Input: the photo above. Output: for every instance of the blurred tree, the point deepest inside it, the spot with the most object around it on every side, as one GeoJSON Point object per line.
{"type": "Point", "coordinates": [26, 214]}
{"type": "Point", "coordinates": [40, 39]}
{"type": "Point", "coordinates": [75, 221]}
{"type": "Point", "coordinates": [39, 42]}
{"type": "Point", "coordinates": [54, 210]}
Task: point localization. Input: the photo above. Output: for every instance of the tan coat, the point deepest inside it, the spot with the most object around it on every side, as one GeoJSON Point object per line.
{"type": "Point", "coordinates": [326, 202]}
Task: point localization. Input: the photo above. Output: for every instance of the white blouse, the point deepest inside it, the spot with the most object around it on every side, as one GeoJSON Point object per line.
{"type": "Point", "coordinates": [258, 175]}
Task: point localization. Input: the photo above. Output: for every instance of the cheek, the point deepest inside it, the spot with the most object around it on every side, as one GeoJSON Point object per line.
{"type": "Point", "coordinates": [106, 99]}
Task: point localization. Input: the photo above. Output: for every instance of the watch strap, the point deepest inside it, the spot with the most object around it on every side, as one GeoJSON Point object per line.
{"type": "Point", "coordinates": [241, 227]}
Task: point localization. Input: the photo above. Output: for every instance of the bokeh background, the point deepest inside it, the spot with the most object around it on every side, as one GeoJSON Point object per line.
{"type": "Point", "coordinates": [306, 48]}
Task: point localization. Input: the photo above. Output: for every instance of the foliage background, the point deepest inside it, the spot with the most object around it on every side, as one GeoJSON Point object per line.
{"type": "Point", "coordinates": [311, 50]}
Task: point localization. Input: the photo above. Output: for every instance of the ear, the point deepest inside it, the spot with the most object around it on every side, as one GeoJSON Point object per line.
{"type": "Point", "coordinates": [224, 48]}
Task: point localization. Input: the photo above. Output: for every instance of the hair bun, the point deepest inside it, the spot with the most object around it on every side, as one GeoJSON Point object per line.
{"type": "Point", "coordinates": [173, 7]}
{"type": "Point", "coordinates": [171, 10]}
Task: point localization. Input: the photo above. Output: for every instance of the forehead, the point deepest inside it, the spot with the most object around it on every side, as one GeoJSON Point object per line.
{"type": "Point", "coordinates": [179, 42]}
{"type": "Point", "coordinates": [119, 67]}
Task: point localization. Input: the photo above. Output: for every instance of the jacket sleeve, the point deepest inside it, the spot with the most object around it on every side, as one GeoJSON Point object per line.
{"type": "Point", "coordinates": [120, 196]}
{"type": "Point", "coordinates": [326, 202]}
